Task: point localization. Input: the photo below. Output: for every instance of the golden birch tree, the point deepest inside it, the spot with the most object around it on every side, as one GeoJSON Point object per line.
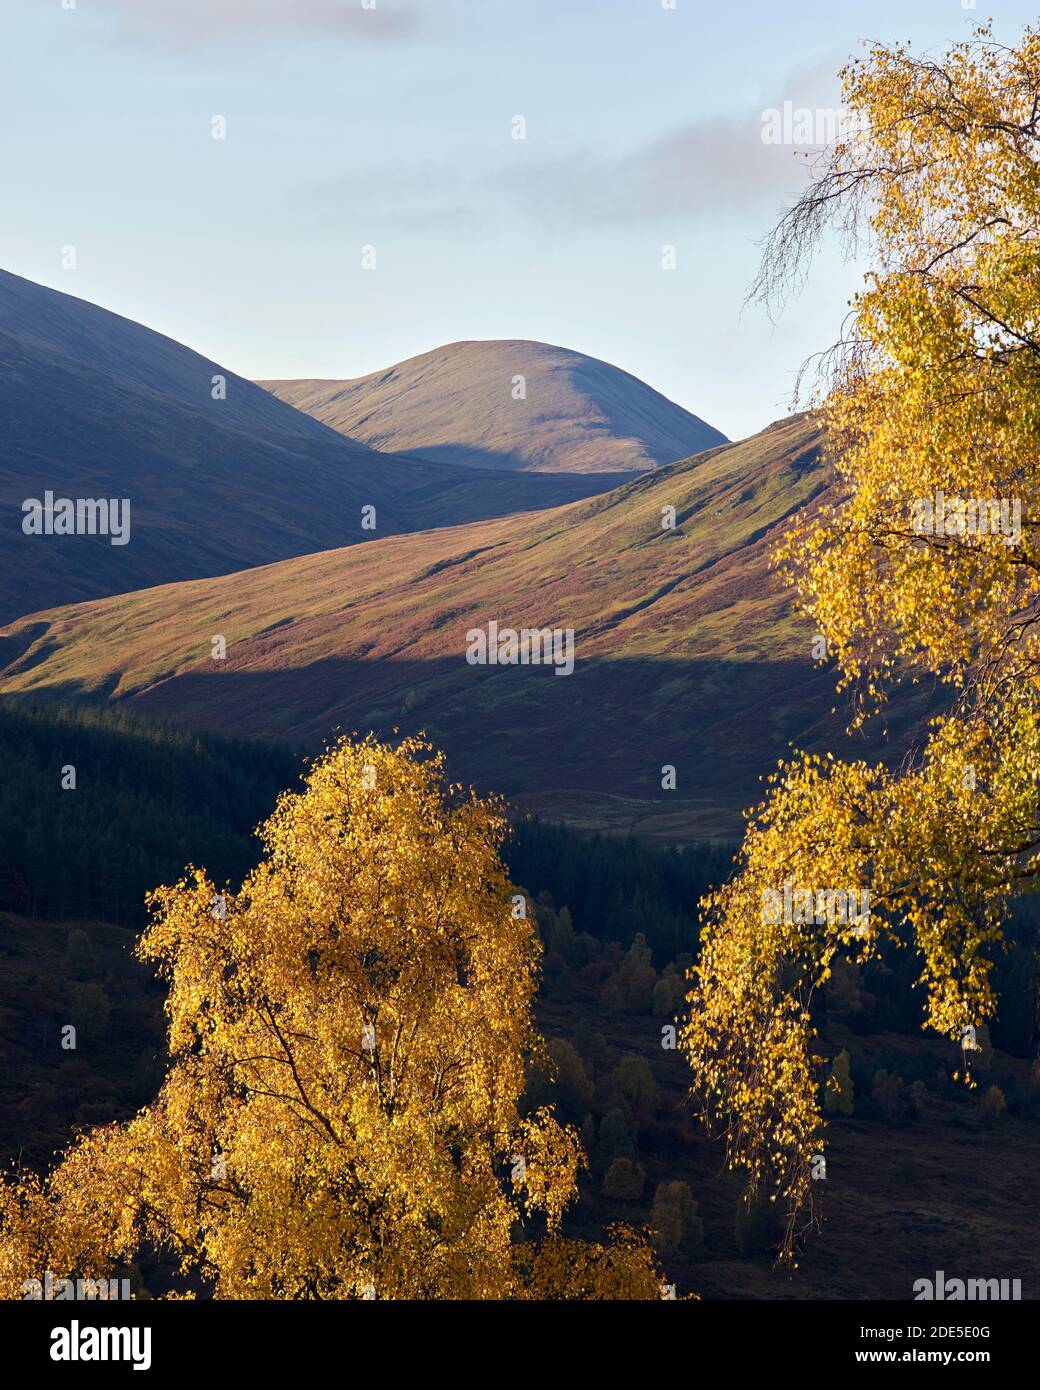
{"type": "Point", "coordinates": [349, 1035]}
{"type": "Point", "coordinates": [922, 564]}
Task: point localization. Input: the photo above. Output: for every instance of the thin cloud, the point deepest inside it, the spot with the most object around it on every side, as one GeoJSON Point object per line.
{"type": "Point", "coordinates": [717, 166]}
{"type": "Point", "coordinates": [701, 170]}
{"type": "Point", "coordinates": [714, 169]}
{"type": "Point", "coordinates": [705, 170]}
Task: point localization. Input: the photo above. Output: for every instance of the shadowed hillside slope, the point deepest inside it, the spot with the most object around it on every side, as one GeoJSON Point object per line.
{"type": "Point", "coordinates": [509, 405]}
{"type": "Point", "coordinates": [95, 406]}
{"type": "Point", "coordinates": [686, 652]}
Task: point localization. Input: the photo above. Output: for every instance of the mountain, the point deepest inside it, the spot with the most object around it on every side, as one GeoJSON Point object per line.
{"type": "Point", "coordinates": [686, 652]}
{"type": "Point", "coordinates": [94, 406]}
{"type": "Point", "coordinates": [459, 404]}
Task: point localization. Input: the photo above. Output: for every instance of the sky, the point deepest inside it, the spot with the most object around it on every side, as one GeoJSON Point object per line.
{"type": "Point", "coordinates": [385, 130]}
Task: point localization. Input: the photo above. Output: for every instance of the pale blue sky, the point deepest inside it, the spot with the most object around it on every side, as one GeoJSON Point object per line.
{"type": "Point", "coordinates": [392, 127]}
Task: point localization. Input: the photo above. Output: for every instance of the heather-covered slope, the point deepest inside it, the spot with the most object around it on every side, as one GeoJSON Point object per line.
{"type": "Point", "coordinates": [686, 652]}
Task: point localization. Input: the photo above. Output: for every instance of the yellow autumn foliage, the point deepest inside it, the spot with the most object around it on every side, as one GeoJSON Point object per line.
{"type": "Point", "coordinates": [348, 1036]}
{"type": "Point", "coordinates": [931, 411]}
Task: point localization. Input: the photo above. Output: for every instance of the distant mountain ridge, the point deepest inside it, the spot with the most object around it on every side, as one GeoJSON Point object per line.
{"type": "Point", "coordinates": [60, 325]}
{"type": "Point", "coordinates": [220, 474]}
{"type": "Point", "coordinates": [510, 404]}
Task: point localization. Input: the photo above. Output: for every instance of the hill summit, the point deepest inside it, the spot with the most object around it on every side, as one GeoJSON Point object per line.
{"type": "Point", "coordinates": [509, 404]}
